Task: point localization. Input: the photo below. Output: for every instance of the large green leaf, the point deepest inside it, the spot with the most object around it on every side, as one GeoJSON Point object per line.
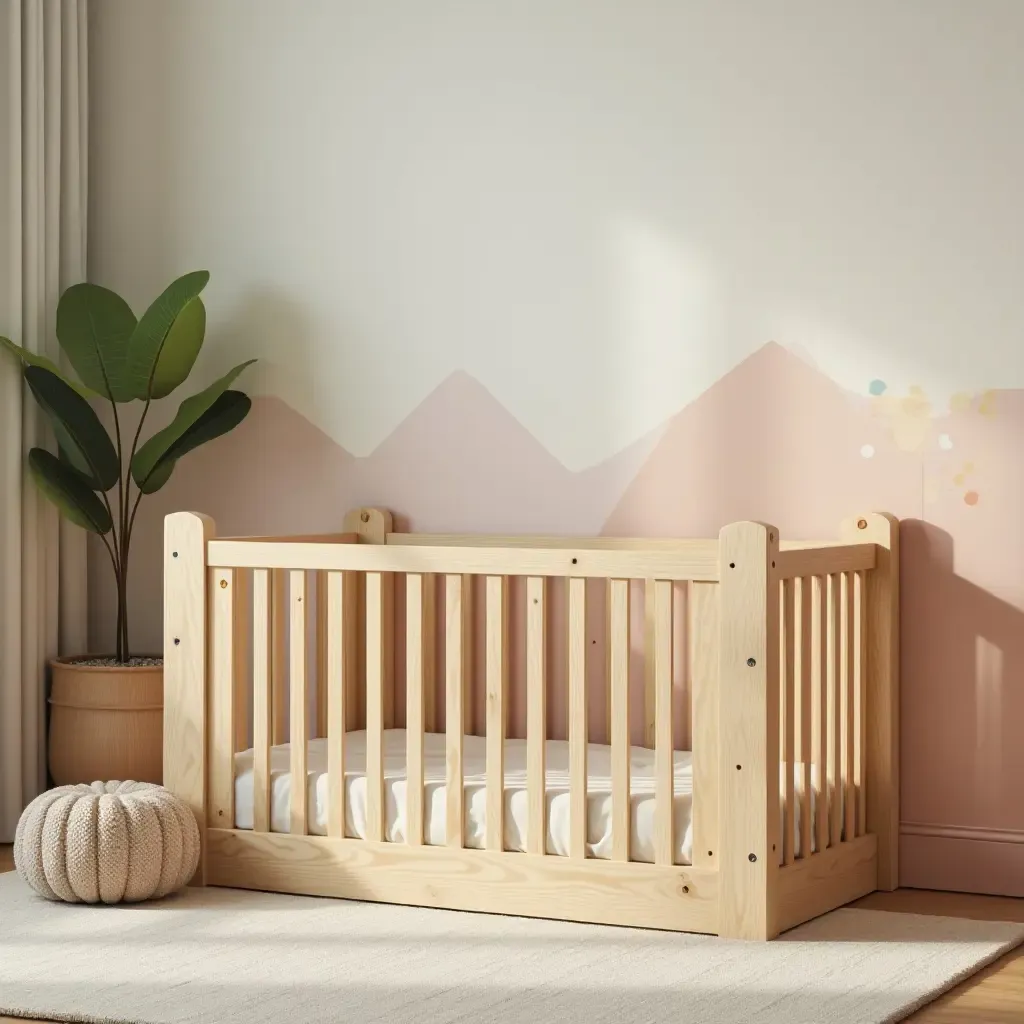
{"type": "Point", "coordinates": [181, 347]}
{"type": "Point", "coordinates": [78, 429]}
{"type": "Point", "coordinates": [93, 327]}
{"type": "Point", "coordinates": [157, 448]}
{"type": "Point", "coordinates": [150, 335]}
{"type": "Point", "coordinates": [223, 416]}
{"type": "Point", "coordinates": [31, 359]}
{"type": "Point", "coordinates": [68, 492]}
{"type": "Point", "coordinates": [158, 477]}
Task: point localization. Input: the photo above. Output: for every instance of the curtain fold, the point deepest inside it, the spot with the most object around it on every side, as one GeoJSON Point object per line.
{"type": "Point", "coordinates": [43, 189]}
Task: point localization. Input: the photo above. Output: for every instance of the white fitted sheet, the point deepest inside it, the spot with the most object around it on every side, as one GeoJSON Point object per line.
{"type": "Point", "coordinates": [599, 803]}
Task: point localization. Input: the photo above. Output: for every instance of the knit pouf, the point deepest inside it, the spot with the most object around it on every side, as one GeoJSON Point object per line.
{"type": "Point", "coordinates": [109, 842]}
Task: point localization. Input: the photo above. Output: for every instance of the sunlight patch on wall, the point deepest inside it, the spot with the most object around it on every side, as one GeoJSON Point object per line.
{"type": "Point", "coordinates": [668, 340]}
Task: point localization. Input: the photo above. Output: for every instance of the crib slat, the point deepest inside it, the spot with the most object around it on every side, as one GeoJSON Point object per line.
{"type": "Point", "coordinates": [835, 719]}
{"type": "Point", "coordinates": [374, 706]}
{"type": "Point", "coordinates": [805, 705]}
{"type": "Point", "coordinates": [338, 632]}
{"type": "Point", "coordinates": [536, 714]}
{"type": "Point", "coordinates": [455, 664]}
{"type": "Point", "coordinates": [650, 685]}
{"type": "Point", "coordinates": [618, 683]}
{"type": "Point", "coordinates": [664, 786]}
{"type": "Point", "coordinates": [788, 675]}
{"type": "Point", "coordinates": [819, 657]}
{"type": "Point", "coordinates": [279, 655]}
{"type": "Point", "coordinates": [497, 687]}
{"type": "Point", "coordinates": [261, 704]}
{"type": "Point", "coordinates": [704, 643]}
{"type": "Point", "coordinates": [240, 654]}
{"type": "Point", "coordinates": [849, 794]}
{"type": "Point", "coordinates": [414, 708]}
{"type": "Point", "coordinates": [222, 699]}
{"type": "Point", "coordinates": [859, 663]}
{"type": "Point", "coordinates": [299, 600]}
{"type": "Point", "coordinates": [577, 719]}
{"type": "Point", "coordinates": [321, 653]}
{"type": "Point", "coordinates": [429, 630]}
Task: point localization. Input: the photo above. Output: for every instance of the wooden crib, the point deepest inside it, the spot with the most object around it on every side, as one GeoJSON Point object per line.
{"type": "Point", "coordinates": [788, 657]}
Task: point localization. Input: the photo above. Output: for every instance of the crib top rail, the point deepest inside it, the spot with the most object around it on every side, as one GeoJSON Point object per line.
{"type": "Point", "coordinates": [695, 560]}
{"type": "Point", "coordinates": [598, 558]}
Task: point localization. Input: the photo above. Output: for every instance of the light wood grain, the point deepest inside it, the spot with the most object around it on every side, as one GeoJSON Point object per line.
{"type": "Point", "coordinates": [221, 809]}
{"type": "Point", "coordinates": [241, 639]}
{"type": "Point", "coordinates": [618, 684]}
{"type": "Point", "coordinates": [822, 561]}
{"type": "Point", "coordinates": [849, 713]}
{"type": "Point", "coordinates": [338, 639]}
{"type": "Point", "coordinates": [882, 661]}
{"type": "Point", "coordinates": [789, 719]}
{"type": "Point", "coordinates": [298, 594]}
{"type": "Point", "coordinates": [815, 885]}
{"type": "Point", "coordinates": [650, 694]}
{"type": "Point", "coordinates": [819, 657]}
{"type": "Point", "coordinates": [496, 655]}
{"type": "Point", "coordinates": [375, 658]}
{"type": "Point", "coordinates": [536, 714]}
{"type": "Point", "coordinates": [577, 649]}
{"type": "Point", "coordinates": [664, 767]}
{"type": "Point", "coordinates": [415, 718]}
{"type": "Point", "coordinates": [748, 731]}
{"type": "Point", "coordinates": [279, 655]}
{"type": "Point", "coordinates": [674, 898]}
{"type": "Point", "coordinates": [683, 564]}
{"type": "Point", "coordinates": [704, 640]}
{"type": "Point", "coordinates": [186, 535]}
{"type": "Point", "coordinates": [262, 708]}
{"type": "Point", "coordinates": [805, 706]}
{"type": "Point", "coordinates": [455, 683]}
{"type": "Point", "coordinates": [835, 703]}
{"type": "Point", "coordinates": [320, 640]}
{"type": "Point", "coordinates": [860, 688]}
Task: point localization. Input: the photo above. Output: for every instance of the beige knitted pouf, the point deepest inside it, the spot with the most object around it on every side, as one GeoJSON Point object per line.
{"type": "Point", "coordinates": [106, 842]}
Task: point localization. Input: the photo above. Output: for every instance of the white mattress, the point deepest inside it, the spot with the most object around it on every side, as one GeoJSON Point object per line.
{"type": "Point", "coordinates": [599, 803]}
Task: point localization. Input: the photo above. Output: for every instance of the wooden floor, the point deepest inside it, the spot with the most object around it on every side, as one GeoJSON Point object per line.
{"type": "Point", "coordinates": [994, 996]}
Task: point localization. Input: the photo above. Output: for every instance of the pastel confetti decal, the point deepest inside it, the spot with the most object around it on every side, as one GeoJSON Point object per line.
{"type": "Point", "coordinates": [945, 442]}
{"type": "Point", "coordinates": [971, 498]}
{"type": "Point", "coordinates": [867, 451]}
{"type": "Point", "coordinates": [987, 405]}
{"type": "Point", "coordinates": [877, 387]}
{"type": "Point", "coordinates": [909, 418]}
{"type": "Point", "coordinates": [960, 402]}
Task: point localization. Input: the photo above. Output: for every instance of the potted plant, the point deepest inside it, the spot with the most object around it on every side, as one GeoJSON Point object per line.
{"type": "Point", "coordinates": [106, 714]}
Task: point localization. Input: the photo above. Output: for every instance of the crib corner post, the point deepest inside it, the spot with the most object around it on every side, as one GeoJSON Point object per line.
{"type": "Point", "coordinates": [748, 739]}
{"type": "Point", "coordinates": [186, 535]}
{"type": "Point", "coordinates": [882, 680]}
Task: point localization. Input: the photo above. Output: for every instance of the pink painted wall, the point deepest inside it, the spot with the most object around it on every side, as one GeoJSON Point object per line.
{"type": "Point", "coordinates": [774, 440]}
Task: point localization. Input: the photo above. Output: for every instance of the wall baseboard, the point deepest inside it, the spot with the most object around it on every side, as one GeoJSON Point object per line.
{"type": "Point", "coordinates": [958, 859]}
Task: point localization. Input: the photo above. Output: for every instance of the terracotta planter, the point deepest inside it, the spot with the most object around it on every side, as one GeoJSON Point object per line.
{"type": "Point", "coordinates": [106, 723]}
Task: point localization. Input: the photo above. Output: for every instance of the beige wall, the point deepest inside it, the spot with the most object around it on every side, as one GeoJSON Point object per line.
{"type": "Point", "coordinates": [498, 261]}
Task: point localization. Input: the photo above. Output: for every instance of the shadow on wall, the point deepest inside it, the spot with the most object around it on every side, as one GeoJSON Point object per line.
{"type": "Point", "coordinates": [962, 693]}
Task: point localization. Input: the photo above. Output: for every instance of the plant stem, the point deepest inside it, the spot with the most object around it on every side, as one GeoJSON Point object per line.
{"type": "Point", "coordinates": [119, 563]}
{"type": "Point", "coordinates": [127, 520]}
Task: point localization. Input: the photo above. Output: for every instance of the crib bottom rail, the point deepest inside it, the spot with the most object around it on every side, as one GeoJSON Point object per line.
{"type": "Point", "coordinates": [673, 898]}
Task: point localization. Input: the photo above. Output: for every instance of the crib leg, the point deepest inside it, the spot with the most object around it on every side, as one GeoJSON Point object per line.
{"type": "Point", "coordinates": [185, 621]}
{"type": "Point", "coordinates": [748, 738]}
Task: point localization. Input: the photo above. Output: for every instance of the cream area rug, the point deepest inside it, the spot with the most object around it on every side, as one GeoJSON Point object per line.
{"type": "Point", "coordinates": [236, 957]}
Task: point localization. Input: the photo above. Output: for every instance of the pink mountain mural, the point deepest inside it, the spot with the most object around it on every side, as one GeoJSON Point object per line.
{"type": "Point", "coordinates": [774, 440]}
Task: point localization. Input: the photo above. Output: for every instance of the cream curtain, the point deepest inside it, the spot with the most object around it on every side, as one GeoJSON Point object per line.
{"type": "Point", "coordinates": [42, 250]}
